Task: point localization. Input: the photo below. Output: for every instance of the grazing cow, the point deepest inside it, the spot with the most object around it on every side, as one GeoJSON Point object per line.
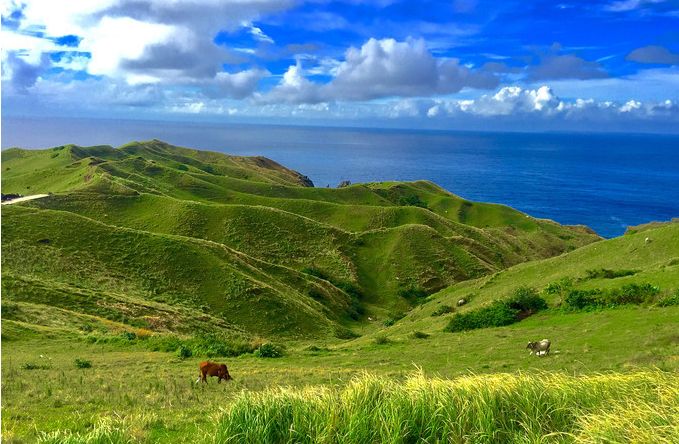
{"type": "Point", "coordinates": [461, 302]}
{"type": "Point", "coordinates": [541, 347]}
{"type": "Point", "coordinates": [208, 368]}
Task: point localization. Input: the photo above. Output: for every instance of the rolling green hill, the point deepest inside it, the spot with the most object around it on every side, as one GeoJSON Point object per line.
{"type": "Point", "coordinates": [247, 240]}
{"type": "Point", "coordinates": [146, 259]}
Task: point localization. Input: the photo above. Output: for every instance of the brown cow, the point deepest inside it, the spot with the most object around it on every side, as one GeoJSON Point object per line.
{"type": "Point", "coordinates": [208, 368]}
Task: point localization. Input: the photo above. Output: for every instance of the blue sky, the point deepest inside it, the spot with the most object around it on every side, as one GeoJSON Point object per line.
{"type": "Point", "coordinates": [457, 64]}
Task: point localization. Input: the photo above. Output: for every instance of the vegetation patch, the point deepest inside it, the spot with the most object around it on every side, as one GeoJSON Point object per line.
{"type": "Point", "coordinates": [502, 408]}
{"type": "Point", "coordinates": [381, 340]}
{"type": "Point", "coordinates": [419, 335]}
{"type": "Point", "coordinates": [524, 302]}
{"type": "Point", "coordinates": [34, 366]}
{"type": "Point", "coordinates": [269, 350]}
{"type": "Point", "coordinates": [414, 295]}
{"type": "Point", "coordinates": [630, 294]}
{"type": "Point", "coordinates": [82, 363]}
{"type": "Point", "coordinates": [670, 300]}
{"type": "Point", "coordinates": [604, 273]}
{"type": "Point", "coordinates": [442, 309]}
{"type": "Point", "coordinates": [393, 318]}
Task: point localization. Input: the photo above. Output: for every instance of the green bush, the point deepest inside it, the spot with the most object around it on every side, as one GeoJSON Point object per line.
{"type": "Point", "coordinates": [269, 350]}
{"type": "Point", "coordinates": [394, 318]}
{"type": "Point", "coordinates": [130, 336]}
{"type": "Point", "coordinates": [527, 300]}
{"type": "Point", "coordinates": [381, 340]}
{"type": "Point", "coordinates": [523, 302]}
{"type": "Point", "coordinates": [604, 273]}
{"type": "Point", "coordinates": [580, 299]}
{"type": "Point", "coordinates": [558, 287]}
{"type": "Point", "coordinates": [495, 315]}
{"type": "Point", "coordinates": [82, 363]}
{"type": "Point", "coordinates": [630, 294]}
{"type": "Point", "coordinates": [412, 200]}
{"type": "Point", "coordinates": [669, 301]}
{"type": "Point", "coordinates": [443, 309]}
{"type": "Point", "coordinates": [413, 294]}
{"type": "Point", "coordinates": [184, 352]}
{"type": "Point", "coordinates": [34, 366]}
{"type": "Point", "coordinates": [419, 335]}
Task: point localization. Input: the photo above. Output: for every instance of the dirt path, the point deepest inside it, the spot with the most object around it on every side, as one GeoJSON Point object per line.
{"type": "Point", "coordinates": [25, 198]}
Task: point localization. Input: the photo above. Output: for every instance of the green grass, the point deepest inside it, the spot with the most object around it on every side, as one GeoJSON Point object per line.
{"type": "Point", "coordinates": [148, 259]}
{"type": "Point", "coordinates": [499, 409]}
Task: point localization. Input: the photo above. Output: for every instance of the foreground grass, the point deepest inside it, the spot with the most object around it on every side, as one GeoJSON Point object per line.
{"type": "Point", "coordinates": [639, 407]}
{"type": "Point", "coordinates": [491, 409]}
{"type": "Point", "coordinates": [150, 397]}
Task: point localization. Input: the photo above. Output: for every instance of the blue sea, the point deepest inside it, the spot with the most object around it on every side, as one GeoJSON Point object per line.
{"type": "Point", "coordinates": [605, 181]}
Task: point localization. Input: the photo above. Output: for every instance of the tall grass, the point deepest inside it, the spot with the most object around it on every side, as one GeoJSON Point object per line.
{"type": "Point", "coordinates": [501, 408]}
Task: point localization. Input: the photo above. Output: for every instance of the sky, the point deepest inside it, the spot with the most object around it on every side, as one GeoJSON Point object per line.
{"type": "Point", "coordinates": [521, 65]}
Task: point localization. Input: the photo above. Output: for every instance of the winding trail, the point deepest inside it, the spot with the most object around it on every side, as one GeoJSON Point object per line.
{"type": "Point", "coordinates": [25, 198]}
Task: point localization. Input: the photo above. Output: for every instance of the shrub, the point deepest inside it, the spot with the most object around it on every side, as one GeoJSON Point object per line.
{"type": "Point", "coordinates": [412, 200]}
{"type": "Point", "coordinates": [34, 366]}
{"type": "Point", "coordinates": [381, 340]}
{"type": "Point", "coordinates": [604, 273]}
{"type": "Point", "coordinates": [419, 335]}
{"type": "Point", "coordinates": [182, 167]}
{"type": "Point", "coordinates": [394, 318]}
{"type": "Point", "coordinates": [495, 315]}
{"type": "Point", "coordinates": [670, 300]}
{"type": "Point", "coordinates": [559, 286]}
{"type": "Point", "coordinates": [413, 294]}
{"type": "Point", "coordinates": [583, 298]}
{"type": "Point", "coordinates": [443, 309]}
{"type": "Point", "coordinates": [630, 294]}
{"type": "Point", "coordinates": [269, 350]}
{"type": "Point", "coordinates": [184, 352]}
{"type": "Point", "coordinates": [82, 363]}
{"type": "Point", "coordinates": [526, 300]}
{"type": "Point", "coordinates": [130, 336]}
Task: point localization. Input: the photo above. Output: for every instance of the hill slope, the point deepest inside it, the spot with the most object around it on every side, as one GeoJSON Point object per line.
{"type": "Point", "coordinates": [246, 240]}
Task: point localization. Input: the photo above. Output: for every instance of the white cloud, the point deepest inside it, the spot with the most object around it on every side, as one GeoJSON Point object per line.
{"type": "Point", "coordinates": [137, 40]}
{"type": "Point", "coordinates": [380, 68]}
{"type": "Point", "coordinates": [514, 102]}
{"type": "Point", "coordinates": [239, 85]}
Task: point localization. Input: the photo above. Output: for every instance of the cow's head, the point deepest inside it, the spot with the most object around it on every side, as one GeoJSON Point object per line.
{"type": "Point", "coordinates": [531, 345]}
{"type": "Point", "coordinates": [224, 373]}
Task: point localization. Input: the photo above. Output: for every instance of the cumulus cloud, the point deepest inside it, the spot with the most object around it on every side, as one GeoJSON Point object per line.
{"type": "Point", "coordinates": [238, 85]}
{"type": "Point", "coordinates": [137, 41]}
{"type": "Point", "coordinates": [378, 69]}
{"type": "Point", "coordinates": [514, 102]}
{"type": "Point", "coordinates": [653, 54]}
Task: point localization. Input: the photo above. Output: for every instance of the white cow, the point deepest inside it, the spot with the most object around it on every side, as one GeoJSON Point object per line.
{"type": "Point", "coordinates": [539, 348]}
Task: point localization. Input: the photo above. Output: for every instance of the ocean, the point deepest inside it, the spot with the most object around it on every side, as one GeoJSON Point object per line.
{"type": "Point", "coordinates": [604, 181]}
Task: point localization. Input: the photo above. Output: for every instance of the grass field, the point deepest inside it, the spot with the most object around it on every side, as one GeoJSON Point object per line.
{"type": "Point", "coordinates": [148, 259]}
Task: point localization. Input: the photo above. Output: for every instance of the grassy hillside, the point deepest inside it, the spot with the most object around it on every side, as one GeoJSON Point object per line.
{"type": "Point", "coordinates": [646, 257]}
{"type": "Point", "coordinates": [245, 238]}
{"type": "Point", "coordinates": [147, 259]}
